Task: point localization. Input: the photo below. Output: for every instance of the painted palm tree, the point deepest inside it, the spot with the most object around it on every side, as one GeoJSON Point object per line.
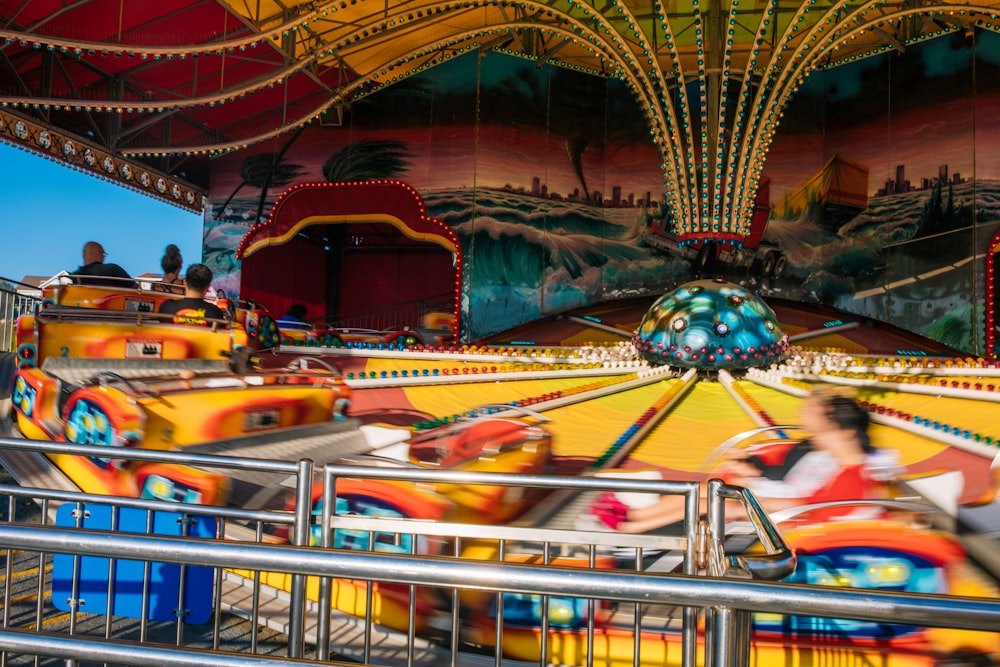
{"type": "Point", "coordinates": [263, 171]}
{"type": "Point", "coordinates": [366, 160]}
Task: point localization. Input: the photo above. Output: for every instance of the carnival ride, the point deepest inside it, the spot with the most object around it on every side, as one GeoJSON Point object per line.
{"type": "Point", "coordinates": [886, 544]}
{"type": "Point", "coordinates": [473, 445]}
{"type": "Point", "coordinates": [459, 407]}
{"type": "Point", "coordinates": [80, 320]}
{"type": "Point", "coordinates": [98, 365]}
{"type": "Point", "coordinates": [76, 320]}
{"type": "Point", "coordinates": [591, 392]}
{"type": "Point", "coordinates": [159, 405]}
{"type": "Point", "coordinates": [876, 555]}
{"type": "Point", "coordinates": [266, 332]}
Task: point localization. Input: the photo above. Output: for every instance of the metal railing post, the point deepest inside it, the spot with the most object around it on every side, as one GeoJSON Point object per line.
{"type": "Point", "coordinates": [742, 626]}
{"type": "Point", "coordinates": [326, 584]}
{"type": "Point", "coordinates": [689, 619]}
{"type": "Point", "coordinates": [300, 537]}
{"type": "Point", "coordinates": [727, 630]}
{"type": "Point", "coordinates": [726, 596]}
{"type": "Point", "coordinates": [721, 638]}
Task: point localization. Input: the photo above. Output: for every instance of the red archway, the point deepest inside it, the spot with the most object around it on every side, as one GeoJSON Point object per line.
{"type": "Point", "coordinates": [338, 247]}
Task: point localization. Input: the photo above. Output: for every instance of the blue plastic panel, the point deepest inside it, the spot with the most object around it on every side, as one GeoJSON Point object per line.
{"type": "Point", "coordinates": [99, 578]}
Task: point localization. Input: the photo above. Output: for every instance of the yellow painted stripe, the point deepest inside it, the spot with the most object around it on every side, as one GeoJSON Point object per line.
{"type": "Point", "coordinates": [21, 574]}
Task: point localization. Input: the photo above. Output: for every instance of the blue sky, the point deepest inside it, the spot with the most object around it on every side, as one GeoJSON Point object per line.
{"type": "Point", "coordinates": [50, 211]}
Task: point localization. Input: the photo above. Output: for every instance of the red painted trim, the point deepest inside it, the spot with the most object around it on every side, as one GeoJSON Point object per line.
{"type": "Point", "coordinates": [991, 296]}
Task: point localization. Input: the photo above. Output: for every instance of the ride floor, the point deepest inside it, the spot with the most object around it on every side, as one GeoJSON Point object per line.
{"type": "Point", "coordinates": [702, 416]}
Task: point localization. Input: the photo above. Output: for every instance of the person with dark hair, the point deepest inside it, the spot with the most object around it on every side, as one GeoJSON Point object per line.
{"type": "Point", "coordinates": [193, 308]}
{"type": "Point", "coordinates": [295, 318]}
{"type": "Point", "coordinates": [94, 271]}
{"type": "Point", "coordinates": [171, 265]}
{"type": "Point", "coordinates": [832, 468]}
{"type": "Point", "coordinates": [786, 478]}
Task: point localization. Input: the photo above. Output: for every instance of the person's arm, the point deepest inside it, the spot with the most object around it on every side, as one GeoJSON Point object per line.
{"type": "Point", "coordinates": [665, 511]}
{"type": "Point", "coordinates": [811, 472]}
{"type": "Point", "coordinates": [670, 512]}
{"type": "Point", "coordinates": [739, 472]}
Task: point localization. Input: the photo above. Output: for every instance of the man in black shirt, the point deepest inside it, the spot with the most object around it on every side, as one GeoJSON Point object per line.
{"type": "Point", "coordinates": [94, 271]}
{"type": "Point", "coordinates": [193, 309]}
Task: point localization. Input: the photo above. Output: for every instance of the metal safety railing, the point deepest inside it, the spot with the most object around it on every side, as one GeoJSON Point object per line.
{"type": "Point", "coordinates": [409, 314]}
{"type": "Point", "coordinates": [12, 305]}
{"type": "Point", "coordinates": [243, 560]}
{"type": "Point", "coordinates": [701, 592]}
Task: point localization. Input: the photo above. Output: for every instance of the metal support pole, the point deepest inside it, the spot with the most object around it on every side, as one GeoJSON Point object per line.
{"type": "Point", "coordinates": [742, 623]}
{"type": "Point", "coordinates": [727, 630]}
{"type": "Point", "coordinates": [723, 644]}
{"type": "Point", "coordinates": [326, 584]}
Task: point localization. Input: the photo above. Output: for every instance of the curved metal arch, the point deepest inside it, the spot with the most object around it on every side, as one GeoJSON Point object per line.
{"type": "Point", "coordinates": [739, 213]}
{"type": "Point", "coordinates": [643, 88]}
{"type": "Point", "coordinates": [789, 79]}
{"type": "Point", "coordinates": [743, 212]}
{"type": "Point", "coordinates": [715, 205]}
{"type": "Point", "coordinates": [646, 89]}
{"type": "Point", "coordinates": [633, 75]}
{"type": "Point", "coordinates": [342, 95]}
{"type": "Point", "coordinates": [153, 51]}
{"type": "Point", "coordinates": [558, 18]}
{"type": "Point", "coordinates": [226, 95]}
{"type": "Point", "coordinates": [652, 48]}
{"type": "Point", "coordinates": [774, 97]}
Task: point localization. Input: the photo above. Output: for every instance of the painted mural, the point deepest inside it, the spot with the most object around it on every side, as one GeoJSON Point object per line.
{"type": "Point", "coordinates": [918, 130]}
{"type": "Point", "coordinates": [881, 191]}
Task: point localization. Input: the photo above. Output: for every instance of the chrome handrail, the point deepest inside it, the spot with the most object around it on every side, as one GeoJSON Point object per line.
{"type": "Point", "coordinates": [776, 563]}
{"type": "Point", "coordinates": [704, 592]}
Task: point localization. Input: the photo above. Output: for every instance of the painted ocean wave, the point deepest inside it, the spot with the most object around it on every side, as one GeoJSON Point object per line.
{"type": "Point", "coordinates": [520, 253]}
{"type": "Point", "coordinates": [531, 257]}
{"type": "Point", "coordinates": [858, 267]}
{"type": "Point", "coordinates": [457, 207]}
